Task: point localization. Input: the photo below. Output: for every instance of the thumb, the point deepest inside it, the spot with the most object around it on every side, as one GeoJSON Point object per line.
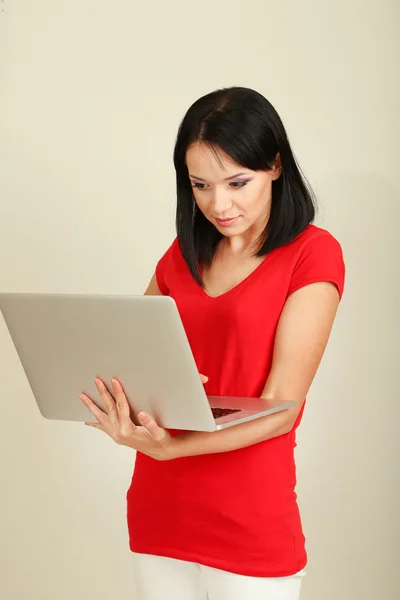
{"type": "Point", "coordinates": [203, 378]}
{"type": "Point", "coordinates": [154, 430]}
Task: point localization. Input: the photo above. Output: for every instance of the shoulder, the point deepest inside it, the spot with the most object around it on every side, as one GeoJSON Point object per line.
{"type": "Point", "coordinates": [316, 243]}
{"type": "Point", "coordinates": [171, 252]}
{"type": "Point", "coordinates": [316, 255]}
{"type": "Point", "coordinates": [169, 263]}
{"type": "Point", "coordinates": [314, 237]}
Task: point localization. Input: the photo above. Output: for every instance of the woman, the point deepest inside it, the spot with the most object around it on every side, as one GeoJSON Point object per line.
{"type": "Point", "coordinates": [214, 515]}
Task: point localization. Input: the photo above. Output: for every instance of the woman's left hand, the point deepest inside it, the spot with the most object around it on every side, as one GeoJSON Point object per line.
{"type": "Point", "coordinates": [149, 438]}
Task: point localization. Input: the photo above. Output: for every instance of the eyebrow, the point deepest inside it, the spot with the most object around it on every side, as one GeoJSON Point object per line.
{"type": "Point", "coordinates": [226, 179]}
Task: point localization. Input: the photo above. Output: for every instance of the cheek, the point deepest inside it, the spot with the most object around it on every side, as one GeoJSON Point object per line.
{"type": "Point", "coordinates": [202, 201]}
{"type": "Point", "coordinates": [251, 201]}
{"type": "Point", "coordinates": [261, 200]}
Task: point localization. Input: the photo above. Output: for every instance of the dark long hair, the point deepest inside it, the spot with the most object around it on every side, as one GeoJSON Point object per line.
{"type": "Point", "coordinates": [243, 124]}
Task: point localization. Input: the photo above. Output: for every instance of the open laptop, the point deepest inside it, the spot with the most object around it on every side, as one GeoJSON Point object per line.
{"type": "Point", "coordinates": [65, 341]}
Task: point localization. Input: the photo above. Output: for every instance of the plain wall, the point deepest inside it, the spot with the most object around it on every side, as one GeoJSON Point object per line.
{"type": "Point", "coordinates": [92, 94]}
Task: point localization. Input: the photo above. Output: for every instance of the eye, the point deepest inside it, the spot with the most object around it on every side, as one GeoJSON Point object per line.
{"type": "Point", "coordinates": [199, 186]}
{"type": "Point", "coordinates": [238, 184]}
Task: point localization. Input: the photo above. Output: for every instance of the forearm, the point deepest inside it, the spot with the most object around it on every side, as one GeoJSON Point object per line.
{"type": "Point", "coordinates": [195, 443]}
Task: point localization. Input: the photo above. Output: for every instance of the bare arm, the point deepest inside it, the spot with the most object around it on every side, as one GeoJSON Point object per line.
{"type": "Point", "coordinates": [302, 335]}
{"type": "Point", "coordinates": [153, 289]}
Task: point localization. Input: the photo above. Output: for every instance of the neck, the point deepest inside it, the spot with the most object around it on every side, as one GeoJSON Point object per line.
{"type": "Point", "coordinates": [245, 243]}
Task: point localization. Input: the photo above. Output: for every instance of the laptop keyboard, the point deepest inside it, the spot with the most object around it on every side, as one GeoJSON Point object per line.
{"type": "Point", "coordinates": [222, 412]}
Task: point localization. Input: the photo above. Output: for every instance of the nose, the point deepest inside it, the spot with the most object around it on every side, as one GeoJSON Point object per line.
{"type": "Point", "coordinates": [221, 202]}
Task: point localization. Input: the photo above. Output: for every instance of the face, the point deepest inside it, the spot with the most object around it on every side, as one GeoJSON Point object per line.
{"type": "Point", "coordinates": [234, 199]}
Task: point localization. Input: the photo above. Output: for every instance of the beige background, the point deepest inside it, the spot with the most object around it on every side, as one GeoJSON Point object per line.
{"type": "Point", "coordinates": [94, 92]}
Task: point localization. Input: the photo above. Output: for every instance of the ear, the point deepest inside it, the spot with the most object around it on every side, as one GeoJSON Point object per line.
{"type": "Point", "coordinates": [276, 169]}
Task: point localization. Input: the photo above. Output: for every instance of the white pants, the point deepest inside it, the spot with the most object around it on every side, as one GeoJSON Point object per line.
{"type": "Point", "coordinates": [160, 578]}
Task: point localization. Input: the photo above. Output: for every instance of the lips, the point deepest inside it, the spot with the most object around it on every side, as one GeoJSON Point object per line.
{"type": "Point", "coordinates": [226, 222]}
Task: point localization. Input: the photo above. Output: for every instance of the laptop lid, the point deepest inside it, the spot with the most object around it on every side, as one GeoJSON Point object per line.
{"type": "Point", "coordinates": [64, 341]}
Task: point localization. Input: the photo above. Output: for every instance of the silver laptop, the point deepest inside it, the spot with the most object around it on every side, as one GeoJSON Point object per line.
{"type": "Point", "coordinates": [65, 341]}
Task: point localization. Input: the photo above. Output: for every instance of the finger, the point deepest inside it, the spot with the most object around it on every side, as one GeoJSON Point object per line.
{"type": "Point", "coordinates": [154, 430]}
{"type": "Point", "coordinates": [121, 401]}
{"type": "Point", "coordinates": [95, 410]}
{"type": "Point", "coordinates": [203, 378]}
{"type": "Point", "coordinates": [108, 402]}
{"type": "Point", "coordinates": [96, 426]}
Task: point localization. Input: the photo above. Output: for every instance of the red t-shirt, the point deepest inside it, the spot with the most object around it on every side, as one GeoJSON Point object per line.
{"type": "Point", "coordinates": [235, 511]}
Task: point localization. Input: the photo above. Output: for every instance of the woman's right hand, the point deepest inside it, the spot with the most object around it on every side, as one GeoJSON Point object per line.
{"type": "Point", "coordinates": [115, 421]}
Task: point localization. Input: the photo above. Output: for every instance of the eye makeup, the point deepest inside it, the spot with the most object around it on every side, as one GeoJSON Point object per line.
{"type": "Point", "coordinates": [233, 184]}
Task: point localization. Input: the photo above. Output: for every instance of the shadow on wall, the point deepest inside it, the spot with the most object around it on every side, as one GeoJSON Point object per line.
{"type": "Point", "coordinates": [348, 441]}
{"type": "Point", "coordinates": [364, 213]}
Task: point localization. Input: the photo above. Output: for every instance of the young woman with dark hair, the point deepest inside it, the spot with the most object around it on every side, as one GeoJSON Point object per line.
{"type": "Point", "coordinates": [215, 515]}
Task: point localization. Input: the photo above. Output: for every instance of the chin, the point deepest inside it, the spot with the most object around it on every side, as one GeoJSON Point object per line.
{"type": "Point", "coordinates": [232, 231]}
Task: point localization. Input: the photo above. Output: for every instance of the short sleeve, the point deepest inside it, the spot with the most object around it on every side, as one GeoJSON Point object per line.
{"type": "Point", "coordinates": [320, 259]}
{"type": "Point", "coordinates": [162, 269]}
